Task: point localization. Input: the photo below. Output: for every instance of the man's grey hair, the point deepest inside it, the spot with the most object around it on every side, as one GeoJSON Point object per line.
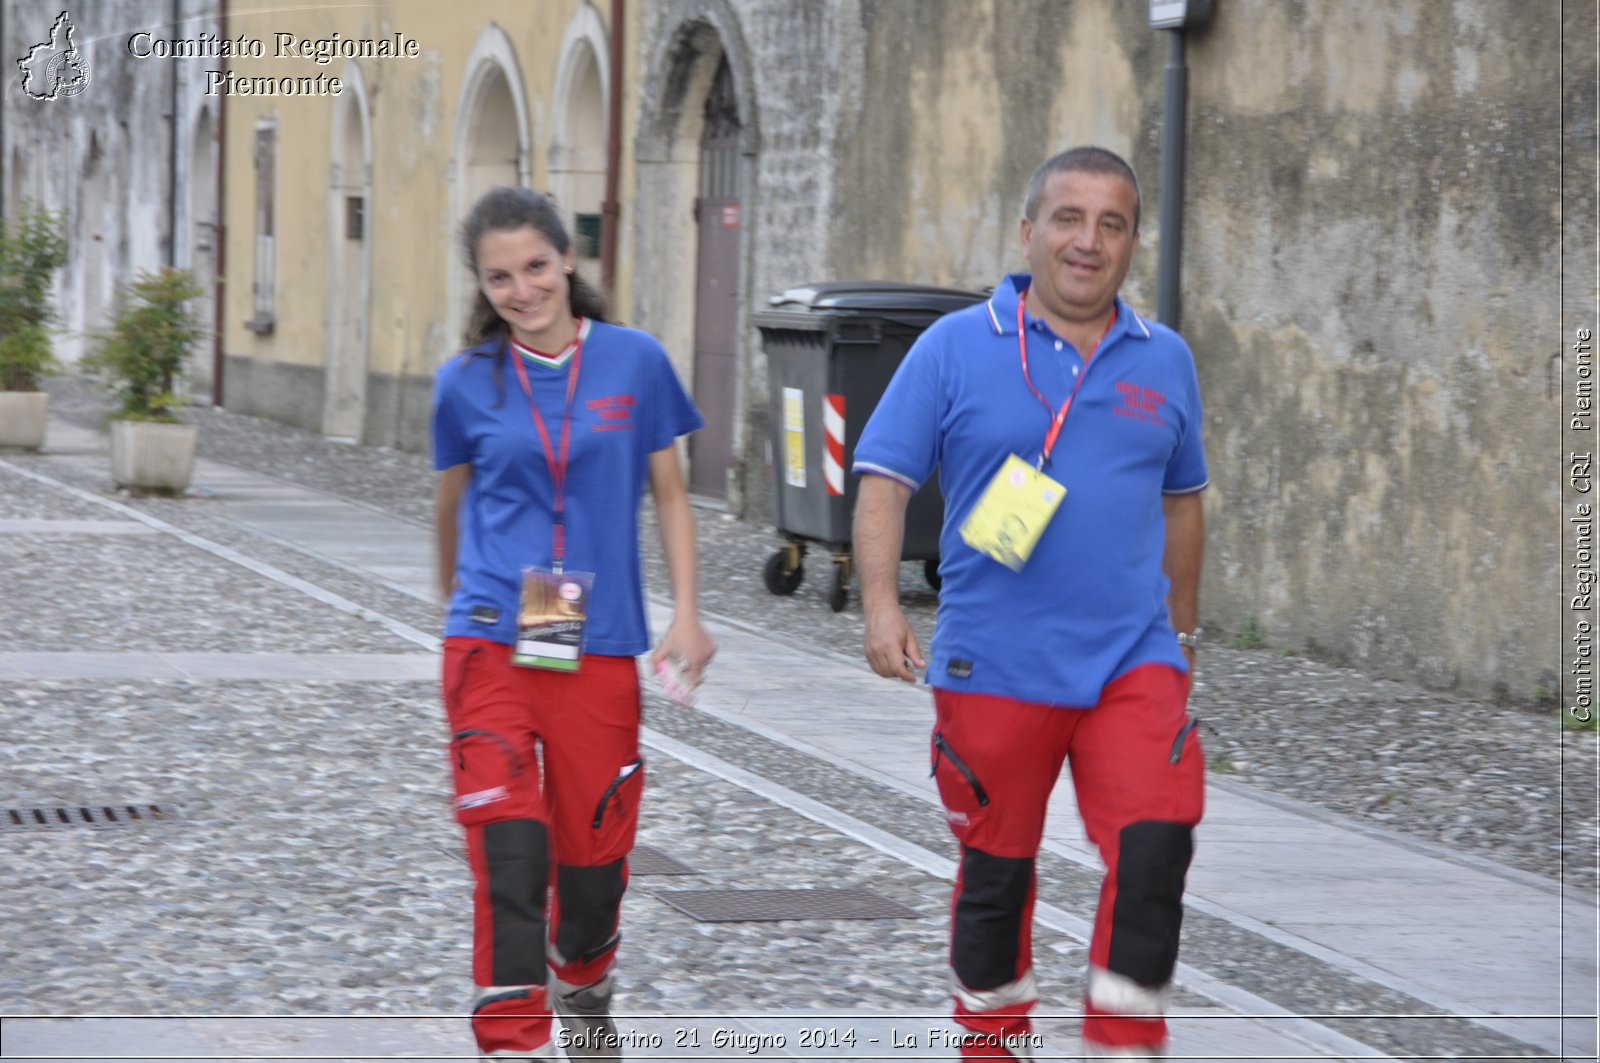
{"type": "Point", "coordinates": [1087, 159]}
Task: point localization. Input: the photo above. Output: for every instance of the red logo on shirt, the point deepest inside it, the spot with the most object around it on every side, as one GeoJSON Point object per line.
{"type": "Point", "coordinates": [615, 412]}
{"type": "Point", "coordinates": [1139, 403]}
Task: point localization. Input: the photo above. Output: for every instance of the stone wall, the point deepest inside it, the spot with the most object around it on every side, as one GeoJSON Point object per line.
{"type": "Point", "coordinates": [1371, 281]}
{"type": "Point", "coordinates": [130, 179]}
{"type": "Point", "coordinates": [1371, 277]}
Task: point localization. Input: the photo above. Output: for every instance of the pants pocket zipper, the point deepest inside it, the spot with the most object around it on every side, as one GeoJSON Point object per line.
{"type": "Point", "coordinates": [506, 749]}
{"type": "Point", "coordinates": [623, 776]}
{"type": "Point", "coordinates": [942, 748]}
{"type": "Point", "coordinates": [1177, 743]}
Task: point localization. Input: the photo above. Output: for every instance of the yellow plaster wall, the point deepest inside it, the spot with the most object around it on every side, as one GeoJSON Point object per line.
{"type": "Point", "coordinates": [412, 107]}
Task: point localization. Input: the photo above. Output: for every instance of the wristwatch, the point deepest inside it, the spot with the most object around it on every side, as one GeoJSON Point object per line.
{"type": "Point", "coordinates": [1191, 639]}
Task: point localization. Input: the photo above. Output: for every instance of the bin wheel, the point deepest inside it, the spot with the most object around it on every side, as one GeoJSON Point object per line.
{"type": "Point", "coordinates": [839, 595]}
{"type": "Point", "coordinates": [930, 572]}
{"type": "Point", "coordinates": [780, 578]}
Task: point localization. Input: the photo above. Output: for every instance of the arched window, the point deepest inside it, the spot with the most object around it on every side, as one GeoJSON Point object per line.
{"type": "Point", "coordinates": [578, 136]}
{"type": "Point", "coordinates": [492, 131]}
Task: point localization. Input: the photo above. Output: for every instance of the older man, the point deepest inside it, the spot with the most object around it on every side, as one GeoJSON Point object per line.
{"type": "Point", "coordinates": [1067, 433]}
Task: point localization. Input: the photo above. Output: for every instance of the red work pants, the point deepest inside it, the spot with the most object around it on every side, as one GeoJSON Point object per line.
{"type": "Point", "coordinates": [547, 784]}
{"type": "Point", "coordinates": [1138, 772]}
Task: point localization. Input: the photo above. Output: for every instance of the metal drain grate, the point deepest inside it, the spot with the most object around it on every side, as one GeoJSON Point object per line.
{"type": "Point", "coordinates": [648, 860]}
{"type": "Point", "coordinates": [92, 817]}
{"type": "Point", "coordinates": [644, 860]}
{"type": "Point", "coordinates": [761, 906]}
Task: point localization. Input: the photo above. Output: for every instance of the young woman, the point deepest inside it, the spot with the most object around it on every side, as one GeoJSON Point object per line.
{"type": "Point", "coordinates": [546, 430]}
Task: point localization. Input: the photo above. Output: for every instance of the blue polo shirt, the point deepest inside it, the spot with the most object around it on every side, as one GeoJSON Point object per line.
{"type": "Point", "coordinates": [628, 404]}
{"type": "Point", "coordinates": [1090, 604]}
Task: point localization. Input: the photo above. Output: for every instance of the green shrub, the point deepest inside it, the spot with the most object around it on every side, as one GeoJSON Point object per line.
{"type": "Point", "coordinates": [33, 245]}
{"type": "Point", "coordinates": [141, 356]}
{"type": "Point", "coordinates": [25, 357]}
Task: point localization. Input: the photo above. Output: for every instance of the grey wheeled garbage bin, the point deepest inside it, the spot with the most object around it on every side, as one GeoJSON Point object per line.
{"type": "Point", "coordinates": [831, 349]}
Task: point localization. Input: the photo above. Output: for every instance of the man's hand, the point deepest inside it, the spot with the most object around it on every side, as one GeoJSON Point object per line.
{"type": "Point", "coordinates": [880, 527]}
{"type": "Point", "coordinates": [891, 645]}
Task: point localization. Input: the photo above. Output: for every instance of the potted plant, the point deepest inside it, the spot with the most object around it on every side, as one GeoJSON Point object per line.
{"type": "Point", "coordinates": [33, 246]}
{"type": "Point", "coordinates": [141, 357]}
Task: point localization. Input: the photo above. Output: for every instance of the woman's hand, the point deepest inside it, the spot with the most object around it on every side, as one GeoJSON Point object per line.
{"type": "Point", "coordinates": [688, 642]}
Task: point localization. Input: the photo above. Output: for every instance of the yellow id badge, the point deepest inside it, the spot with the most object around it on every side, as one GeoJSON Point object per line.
{"type": "Point", "coordinates": [1012, 513]}
{"type": "Point", "coordinates": [551, 619]}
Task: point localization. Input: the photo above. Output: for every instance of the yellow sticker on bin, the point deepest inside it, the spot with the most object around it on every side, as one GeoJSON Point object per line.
{"type": "Point", "coordinates": [794, 437]}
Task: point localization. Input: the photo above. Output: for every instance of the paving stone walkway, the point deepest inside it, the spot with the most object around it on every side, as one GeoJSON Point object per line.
{"type": "Point", "coordinates": [258, 661]}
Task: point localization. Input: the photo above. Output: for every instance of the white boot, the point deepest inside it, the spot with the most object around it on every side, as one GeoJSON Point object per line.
{"type": "Point", "coordinates": [585, 1013]}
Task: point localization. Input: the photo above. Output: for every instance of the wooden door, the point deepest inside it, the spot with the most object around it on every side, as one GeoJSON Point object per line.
{"type": "Point", "coordinates": [719, 219]}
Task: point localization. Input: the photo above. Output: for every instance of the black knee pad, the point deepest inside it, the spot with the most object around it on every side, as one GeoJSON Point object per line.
{"type": "Point", "coordinates": [1153, 858]}
{"type": "Point", "coordinates": [988, 918]}
{"type": "Point", "coordinates": [517, 854]}
{"type": "Point", "coordinates": [591, 898]}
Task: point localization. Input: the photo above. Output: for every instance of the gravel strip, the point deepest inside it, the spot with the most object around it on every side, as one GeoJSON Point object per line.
{"type": "Point", "coordinates": [23, 499]}
{"type": "Point", "coordinates": [152, 594]}
{"type": "Point", "coordinates": [197, 516]}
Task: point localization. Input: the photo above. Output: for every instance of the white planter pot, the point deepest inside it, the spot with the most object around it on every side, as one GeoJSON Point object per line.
{"type": "Point", "coordinates": [22, 418]}
{"type": "Point", "coordinates": [152, 456]}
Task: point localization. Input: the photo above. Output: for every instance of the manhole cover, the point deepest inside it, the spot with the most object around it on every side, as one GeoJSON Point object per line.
{"type": "Point", "coordinates": [644, 860]}
{"type": "Point", "coordinates": [93, 817]}
{"type": "Point", "coordinates": [759, 906]}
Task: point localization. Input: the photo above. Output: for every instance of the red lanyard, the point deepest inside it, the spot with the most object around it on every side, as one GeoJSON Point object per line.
{"type": "Point", "coordinates": [1060, 416]}
{"type": "Point", "coordinates": [558, 465]}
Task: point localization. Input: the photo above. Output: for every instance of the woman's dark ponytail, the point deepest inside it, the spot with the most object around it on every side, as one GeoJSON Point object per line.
{"type": "Point", "coordinates": [583, 299]}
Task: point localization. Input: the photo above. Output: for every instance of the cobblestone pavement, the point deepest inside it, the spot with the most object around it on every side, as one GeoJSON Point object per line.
{"type": "Point", "coordinates": [314, 866]}
{"type": "Point", "coordinates": [1502, 781]}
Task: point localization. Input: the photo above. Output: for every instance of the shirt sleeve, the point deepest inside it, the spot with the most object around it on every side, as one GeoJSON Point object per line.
{"type": "Point", "coordinates": [450, 444]}
{"type": "Point", "coordinates": [674, 412]}
{"type": "Point", "coordinates": [901, 438]}
{"type": "Point", "coordinates": [1186, 469]}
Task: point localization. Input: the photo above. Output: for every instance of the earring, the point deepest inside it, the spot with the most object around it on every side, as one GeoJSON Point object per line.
{"type": "Point", "coordinates": [569, 270]}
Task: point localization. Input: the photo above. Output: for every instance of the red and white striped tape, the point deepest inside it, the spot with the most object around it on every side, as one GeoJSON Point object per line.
{"type": "Point", "coordinates": [833, 434]}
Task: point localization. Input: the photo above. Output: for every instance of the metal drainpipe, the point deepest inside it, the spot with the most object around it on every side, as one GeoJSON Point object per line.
{"type": "Point", "coordinates": [610, 209]}
{"type": "Point", "coordinates": [219, 231]}
{"type": "Point", "coordinates": [173, 123]}
{"type": "Point", "coordinates": [5, 143]}
{"type": "Point", "coordinates": [1175, 101]}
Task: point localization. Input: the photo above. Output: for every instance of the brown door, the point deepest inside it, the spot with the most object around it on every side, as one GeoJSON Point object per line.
{"type": "Point", "coordinates": [716, 309]}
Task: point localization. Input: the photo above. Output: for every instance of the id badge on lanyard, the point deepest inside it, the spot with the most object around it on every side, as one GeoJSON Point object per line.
{"type": "Point", "coordinates": [553, 610]}
{"type": "Point", "coordinates": [552, 618]}
{"type": "Point", "coordinates": [1014, 510]}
